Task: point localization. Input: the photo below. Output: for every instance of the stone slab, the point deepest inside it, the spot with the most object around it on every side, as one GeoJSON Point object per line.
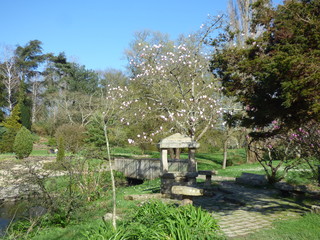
{"type": "Point", "coordinates": [186, 191]}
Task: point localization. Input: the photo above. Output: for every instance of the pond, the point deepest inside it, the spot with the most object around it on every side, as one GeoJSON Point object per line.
{"type": "Point", "coordinates": [7, 212]}
{"type": "Point", "coordinates": [15, 210]}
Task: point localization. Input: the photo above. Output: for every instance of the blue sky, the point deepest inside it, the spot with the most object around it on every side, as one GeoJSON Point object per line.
{"type": "Point", "coordinates": [95, 33]}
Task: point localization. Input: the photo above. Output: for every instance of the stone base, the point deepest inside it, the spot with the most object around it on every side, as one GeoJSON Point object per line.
{"type": "Point", "coordinates": [177, 178]}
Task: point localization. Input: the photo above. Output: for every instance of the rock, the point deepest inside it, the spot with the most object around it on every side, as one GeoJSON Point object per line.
{"type": "Point", "coordinates": [252, 179]}
{"type": "Point", "coordinates": [186, 191]}
{"type": "Point", "coordinates": [315, 209]}
{"type": "Point", "coordinates": [141, 197]}
{"type": "Point", "coordinates": [186, 201]}
{"type": "Point", "coordinates": [108, 217]}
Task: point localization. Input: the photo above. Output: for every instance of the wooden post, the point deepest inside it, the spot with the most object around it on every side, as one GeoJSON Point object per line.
{"type": "Point", "coordinates": [164, 161]}
{"type": "Point", "coordinates": [192, 164]}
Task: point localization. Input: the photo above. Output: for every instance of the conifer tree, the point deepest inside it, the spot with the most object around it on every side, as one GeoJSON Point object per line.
{"type": "Point", "coordinates": [23, 143]}
{"type": "Point", "coordinates": [13, 121]}
{"type": "Point", "coordinates": [12, 126]}
{"type": "Point", "coordinates": [25, 106]}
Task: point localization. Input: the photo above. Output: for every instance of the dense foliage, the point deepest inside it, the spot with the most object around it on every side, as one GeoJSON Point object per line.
{"type": "Point", "coordinates": [72, 135]}
{"type": "Point", "coordinates": [11, 126]}
{"type": "Point", "coordinates": [276, 75]}
{"type": "Point", "coordinates": [23, 143]}
{"type": "Point", "coordinates": [157, 220]}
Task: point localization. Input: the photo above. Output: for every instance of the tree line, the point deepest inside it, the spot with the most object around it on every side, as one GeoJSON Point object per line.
{"type": "Point", "coordinates": [253, 72]}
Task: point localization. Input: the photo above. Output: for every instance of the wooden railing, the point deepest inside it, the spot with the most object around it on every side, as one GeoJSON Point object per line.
{"type": "Point", "coordinates": [147, 168]}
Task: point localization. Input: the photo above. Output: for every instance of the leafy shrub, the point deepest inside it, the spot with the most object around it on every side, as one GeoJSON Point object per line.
{"type": "Point", "coordinates": [39, 129]}
{"type": "Point", "coordinates": [156, 220]}
{"type": "Point", "coordinates": [23, 143]}
{"type": "Point", "coordinates": [52, 142]}
{"type": "Point", "coordinates": [73, 135]}
{"type": "Point", "coordinates": [7, 140]}
{"type": "Point", "coordinates": [44, 128]}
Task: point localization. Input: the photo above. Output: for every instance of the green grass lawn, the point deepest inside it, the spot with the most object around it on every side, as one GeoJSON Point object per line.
{"type": "Point", "coordinates": [213, 161]}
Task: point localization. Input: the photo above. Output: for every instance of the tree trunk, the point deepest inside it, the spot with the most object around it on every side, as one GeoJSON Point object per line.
{"type": "Point", "coordinates": [252, 154]}
{"type": "Point", "coordinates": [34, 104]}
{"type": "Point", "coordinates": [114, 223]}
{"type": "Point", "coordinates": [225, 154]}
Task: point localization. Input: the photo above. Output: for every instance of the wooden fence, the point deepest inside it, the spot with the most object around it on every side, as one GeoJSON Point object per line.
{"type": "Point", "coordinates": [147, 168]}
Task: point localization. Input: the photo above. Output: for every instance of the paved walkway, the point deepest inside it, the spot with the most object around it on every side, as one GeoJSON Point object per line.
{"type": "Point", "coordinates": [242, 210]}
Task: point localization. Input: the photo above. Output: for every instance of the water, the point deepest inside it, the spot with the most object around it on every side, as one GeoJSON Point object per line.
{"type": "Point", "coordinates": [10, 211]}
{"type": "Point", "coordinates": [4, 223]}
{"type": "Point", "coordinates": [7, 213]}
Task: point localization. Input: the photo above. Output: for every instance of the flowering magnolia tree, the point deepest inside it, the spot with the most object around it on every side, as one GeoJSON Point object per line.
{"type": "Point", "coordinates": [288, 150]}
{"type": "Point", "coordinates": [172, 84]}
{"type": "Point", "coordinates": [306, 140]}
{"type": "Point", "coordinates": [276, 153]}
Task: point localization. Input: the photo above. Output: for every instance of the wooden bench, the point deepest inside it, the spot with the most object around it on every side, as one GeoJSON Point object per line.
{"type": "Point", "coordinates": [208, 175]}
{"type": "Point", "coordinates": [187, 193]}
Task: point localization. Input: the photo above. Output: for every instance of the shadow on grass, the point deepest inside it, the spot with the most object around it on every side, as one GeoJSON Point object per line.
{"type": "Point", "coordinates": [152, 190]}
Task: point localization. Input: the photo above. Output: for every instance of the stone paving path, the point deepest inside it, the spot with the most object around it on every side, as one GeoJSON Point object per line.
{"type": "Point", "coordinates": [242, 210]}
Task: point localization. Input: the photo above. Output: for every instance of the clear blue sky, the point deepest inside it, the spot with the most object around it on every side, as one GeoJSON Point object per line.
{"type": "Point", "coordinates": [96, 32]}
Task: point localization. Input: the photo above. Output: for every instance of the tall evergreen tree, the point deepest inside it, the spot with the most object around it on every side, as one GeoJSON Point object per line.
{"type": "Point", "coordinates": [29, 58]}
{"type": "Point", "coordinates": [25, 106]}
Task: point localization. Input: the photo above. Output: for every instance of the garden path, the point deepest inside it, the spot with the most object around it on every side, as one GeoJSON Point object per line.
{"type": "Point", "coordinates": [243, 210]}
